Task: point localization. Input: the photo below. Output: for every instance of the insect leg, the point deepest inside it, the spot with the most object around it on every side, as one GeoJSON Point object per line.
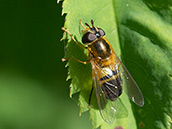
{"type": "Point", "coordinates": [82, 24]}
{"type": "Point", "coordinates": [74, 38]}
{"type": "Point", "coordinates": [83, 62]}
{"type": "Point", "coordinates": [89, 101]}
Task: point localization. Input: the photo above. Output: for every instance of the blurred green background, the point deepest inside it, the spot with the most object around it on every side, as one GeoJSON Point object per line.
{"type": "Point", "coordinates": [34, 93]}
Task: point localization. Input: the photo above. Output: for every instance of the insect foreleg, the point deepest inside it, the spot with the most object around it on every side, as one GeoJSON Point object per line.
{"type": "Point", "coordinates": [82, 24]}
{"type": "Point", "coordinates": [74, 39]}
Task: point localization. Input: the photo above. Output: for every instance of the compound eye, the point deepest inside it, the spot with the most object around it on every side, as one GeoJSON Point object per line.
{"type": "Point", "coordinates": [88, 37]}
{"type": "Point", "coordinates": [102, 33]}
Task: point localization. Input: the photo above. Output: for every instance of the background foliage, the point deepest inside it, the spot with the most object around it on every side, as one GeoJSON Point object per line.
{"type": "Point", "coordinates": [33, 91]}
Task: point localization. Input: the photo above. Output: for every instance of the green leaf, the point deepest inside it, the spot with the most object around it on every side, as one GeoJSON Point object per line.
{"type": "Point", "coordinates": [139, 31]}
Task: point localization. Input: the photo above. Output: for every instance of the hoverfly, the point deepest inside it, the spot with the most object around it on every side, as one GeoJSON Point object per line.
{"type": "Point", "coordinates": [108, 72]}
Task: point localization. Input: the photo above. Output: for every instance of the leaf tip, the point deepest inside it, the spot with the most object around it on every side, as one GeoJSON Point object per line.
{"type": "Point", "coordinates": [58, 1]}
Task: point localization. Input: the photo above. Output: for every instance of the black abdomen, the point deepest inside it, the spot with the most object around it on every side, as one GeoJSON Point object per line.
{"type": "Point", "coordinates": [112, 86]}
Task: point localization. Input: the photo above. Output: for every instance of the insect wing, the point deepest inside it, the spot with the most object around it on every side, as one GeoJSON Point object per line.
{"type": "Point", "coordinates": [131, 89]}
{"type": "Point", "coordinates": [107, 108]}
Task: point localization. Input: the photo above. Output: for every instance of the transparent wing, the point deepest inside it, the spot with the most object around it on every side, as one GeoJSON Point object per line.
{"type": "Point", "coordinates": [107, 108]}
{"type": "Point", "coordinates": [131, 89]}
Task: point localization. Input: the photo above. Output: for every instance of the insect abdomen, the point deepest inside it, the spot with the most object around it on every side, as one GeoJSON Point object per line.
{"type": "Point", "coordinates": [111, 85]}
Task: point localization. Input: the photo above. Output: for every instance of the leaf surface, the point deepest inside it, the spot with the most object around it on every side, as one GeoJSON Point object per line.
{"type": "Point", "coordinates": [140, 32]}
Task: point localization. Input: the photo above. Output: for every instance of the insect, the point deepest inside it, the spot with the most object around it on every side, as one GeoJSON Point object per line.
{"type": "Point", "coordinates": [108, 72]}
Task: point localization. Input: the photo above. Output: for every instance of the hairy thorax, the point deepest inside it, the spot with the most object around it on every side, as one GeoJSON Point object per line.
{"type": "Point", "coordinates": [101, 51]}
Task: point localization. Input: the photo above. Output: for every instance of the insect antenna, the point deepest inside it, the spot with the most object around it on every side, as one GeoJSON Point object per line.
{"type": "Point", "coordinates": [92, 22]}
{"type": "Point", "coordinates": [87, 25]}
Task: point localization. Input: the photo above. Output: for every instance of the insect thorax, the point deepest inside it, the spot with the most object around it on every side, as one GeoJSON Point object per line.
{"type": "Point", "coordinates": [100, 49]}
